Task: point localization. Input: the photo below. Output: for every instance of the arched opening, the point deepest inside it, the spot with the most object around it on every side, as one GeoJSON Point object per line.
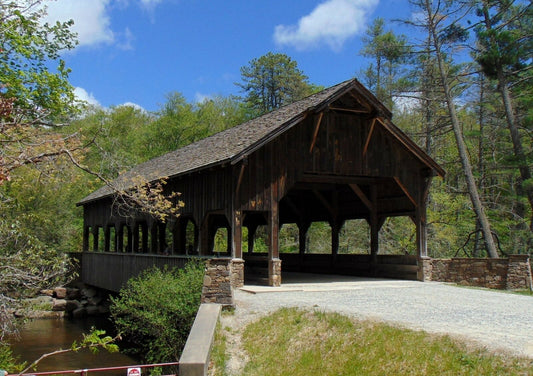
{"type": "Point", "coordinates": [398, 237]}
{"type": "Point", "coordinates": [288, 238]}
{"type": "Point", "coordinates": [319, 238]}
{"type": "Point", "coordinates": [221, 241]}
{"type": "Point", "coordinates": [191, 237]}
{"type": "Point", "coordinates": [354, 237]}
{"type": "Point", "coordinates": [112, 238]}
{"type": "Point", "coordinates": [100, 239]}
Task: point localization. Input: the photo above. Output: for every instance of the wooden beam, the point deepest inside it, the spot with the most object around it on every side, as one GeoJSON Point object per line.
{"type": "Point", "coordinates": [239, 180]}
{"type": "Point", "coordinates": [349, 110]}
{"type": "Point", "coordinates": [342, 179]}
{"type": "Point", "coordinates": [406, 191]}
{"type": "Point", "coordinates": [362, 103]}
{"type": "Point", "coordinates": [325, 202]}
{"type": "Point", "coordinates": [315, 134]}
{"type": "Point", "coordinates": [362, 196]}
{"type": "Point", "coordinates": [367, 142]}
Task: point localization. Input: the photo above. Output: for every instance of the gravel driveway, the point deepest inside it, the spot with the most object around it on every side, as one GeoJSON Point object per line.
{"type": "Point", "coordinates": [496, 320]}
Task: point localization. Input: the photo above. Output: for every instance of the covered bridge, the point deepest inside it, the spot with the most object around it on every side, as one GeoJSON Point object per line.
{"type": "Point", "coordinates": [333, 156]}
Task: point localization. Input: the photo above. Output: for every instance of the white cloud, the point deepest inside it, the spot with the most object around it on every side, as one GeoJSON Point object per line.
{"type": "Point", "coordinates": [331, 22]}
{"type": "Point", "coordinates": [406, 103]}
{"type": "Point", "coordinates": [91, 19]}
{"type": "Point", "coordinates": [82, 95]}
{"type": "Point", "coordinates": [134, 105]}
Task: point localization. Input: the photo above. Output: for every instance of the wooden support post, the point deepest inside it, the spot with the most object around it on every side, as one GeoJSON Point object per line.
{"type": "Point", "coordinates": [236, 230]}
{"type": "Point", "coordinates": [86, 232]}
{"type": "Point", "coordinates": [95, 237]}
{"type": "Point", "coordinates": [204, 238]}
{"type": "Point", "coordinates": [196, 239]}
{"type": "Point", "coordinates": [424, 262]}
{"type": "Point", "coordinates": [251, 237]}
{"type": "Point", "coordinates": [374, 230]}
{"type": "Point", "coordinates": [180, 237]}
{"type": "Point", "coordinates": [162, 239]}
{"type": "Point", "coordinates": [274, 263]}
{"type": "Point", "coordinates": [336, 227]}
{"type": "Point", "coordinates": [107, 238]}
{"type": "Point", "coordinates": [421, 231]}
{"type": "Point", "coordinates": [120, 238]}
{"type": "Point", "coordinates": [129, 243]}
{"type": "Point", "coordinates": [153, 238]}
{"type": "Point", "coordinates": [303, 227]}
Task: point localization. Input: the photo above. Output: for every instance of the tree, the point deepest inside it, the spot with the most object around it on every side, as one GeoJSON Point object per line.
{"type": "Point", "coordinates": [271, 81]}
{"type": "Point", "coordinates": [505, 53]}
{"type": "Point", "coordinates": [389, 53]}
{"type": "Point", "coordinates": [444, 30]}
{"type": "Point", "coordinates": [34, 99]}
{"type": "Point", "coordinates": [34, 102]}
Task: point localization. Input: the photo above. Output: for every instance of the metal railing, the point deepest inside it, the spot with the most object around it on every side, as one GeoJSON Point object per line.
{"type": "Point", "coordinates": [86, 371]}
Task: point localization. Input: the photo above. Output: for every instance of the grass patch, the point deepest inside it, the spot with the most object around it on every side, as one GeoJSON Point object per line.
{"type": "Point", "coordinates": [296, 342]}
{"type": "Point", "coordinates": [219, 355]}
{"type": "Point", "coordinates": [523, 292]}
{"type": "Point", "coordinates": [526, 292]}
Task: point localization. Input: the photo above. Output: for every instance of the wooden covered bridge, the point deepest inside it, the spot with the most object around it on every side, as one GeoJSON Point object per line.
{"type": "Point", "coordinates": [331, 157]}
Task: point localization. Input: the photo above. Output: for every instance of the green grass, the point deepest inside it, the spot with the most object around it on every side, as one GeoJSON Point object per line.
{"type": "Point", "coordinates": [296, 342]}
{"type": "Point", "coordinates": [526, 292]}
{"type": "Point", "coordinates": [219, 356]}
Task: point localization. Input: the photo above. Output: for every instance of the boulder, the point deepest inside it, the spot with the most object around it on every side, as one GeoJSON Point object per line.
{"type": "Point", "coordinates": [59, 304]}
{"type": "Point", "coordinates": [60, 292]}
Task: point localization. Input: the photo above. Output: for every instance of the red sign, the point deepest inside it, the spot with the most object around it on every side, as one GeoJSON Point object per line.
{"type": "Point", "coordinates": [134, 372]}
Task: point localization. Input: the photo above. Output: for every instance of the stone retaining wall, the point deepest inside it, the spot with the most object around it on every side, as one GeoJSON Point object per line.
{"type": "Point", "coordinates": [221, 276]}
{"type": "Point", "coordinates": [501, 273]}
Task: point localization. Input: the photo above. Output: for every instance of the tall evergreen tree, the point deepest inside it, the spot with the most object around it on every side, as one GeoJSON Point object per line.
{"type": "Point", "coordinates": [505, 53]}
{"type": "Point", "coordinates": [389, 52]}
{"type": "Point", "coordinates": [271, 81]}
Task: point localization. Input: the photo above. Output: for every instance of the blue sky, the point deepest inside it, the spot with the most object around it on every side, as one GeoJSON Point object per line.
{"type": "Point", "coordinates": [137, 51]}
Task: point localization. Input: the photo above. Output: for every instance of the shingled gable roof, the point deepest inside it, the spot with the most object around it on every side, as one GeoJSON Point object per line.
{"type": "Point", "coordinates": [233, 144]}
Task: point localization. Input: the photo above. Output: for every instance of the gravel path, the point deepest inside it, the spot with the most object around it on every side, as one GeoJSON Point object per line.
{"type": "Point", "coordinates": [496, 320]}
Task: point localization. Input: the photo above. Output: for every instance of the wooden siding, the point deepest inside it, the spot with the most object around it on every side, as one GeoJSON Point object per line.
{"type": "Point", "coordinates": [111, 271]}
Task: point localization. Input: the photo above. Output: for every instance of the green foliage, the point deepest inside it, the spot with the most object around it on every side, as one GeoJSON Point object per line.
{"type": "Point", "coordinates": [94, 341]}
{"type": "Point", "coordinates": [8, 361]}
{"type": "Point", "coordinates": [28, 48]}
{"type": "Point", "coordinates": [389, 52]}
{"type": "Point", "coordinates": [155, 311]}
{"type": "Point", "coordinates": [271, 81]}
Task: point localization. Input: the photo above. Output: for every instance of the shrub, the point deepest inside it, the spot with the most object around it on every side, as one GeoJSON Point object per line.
{"type": "Point", "coordinates": [155, 311]}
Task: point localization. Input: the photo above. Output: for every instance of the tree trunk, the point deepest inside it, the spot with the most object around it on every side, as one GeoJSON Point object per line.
{"type": "Point", "coordinates": [459, 138]}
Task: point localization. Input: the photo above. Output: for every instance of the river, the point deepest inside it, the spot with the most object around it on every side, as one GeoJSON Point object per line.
{"type": "Point", "coordinates": [38, 337]}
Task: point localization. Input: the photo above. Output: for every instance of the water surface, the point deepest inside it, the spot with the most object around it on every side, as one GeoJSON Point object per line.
{"type": "Point", "coordinates": [38, 337]}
